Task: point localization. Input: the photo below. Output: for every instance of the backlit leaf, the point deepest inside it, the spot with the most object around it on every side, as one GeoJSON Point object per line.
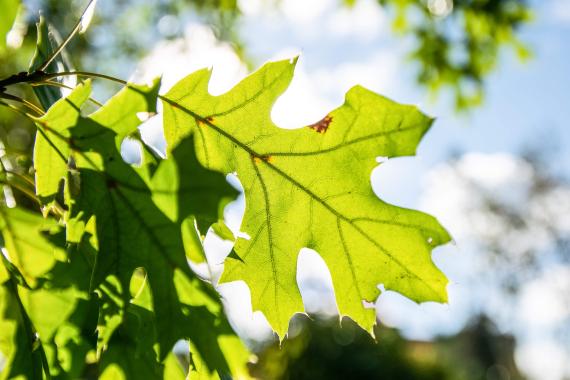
{"type": "Point", "coordinates": [311, 188]}
{"type": "Point", "coordinates": [26, 242]}
{"type": "Point", "coordinates": [7, 17]}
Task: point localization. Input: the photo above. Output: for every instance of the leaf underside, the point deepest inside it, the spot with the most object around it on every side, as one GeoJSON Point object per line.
{"type": "Point", "coordinates": [110, 277]}
{"type": "Point", "coordinates": [120, 220]}
{"type": "Point", "coordinates": [310, 187]}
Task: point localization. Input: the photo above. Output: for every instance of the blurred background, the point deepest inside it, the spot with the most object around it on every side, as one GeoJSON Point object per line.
{"type": "Point", "coordinates": [494, 168]}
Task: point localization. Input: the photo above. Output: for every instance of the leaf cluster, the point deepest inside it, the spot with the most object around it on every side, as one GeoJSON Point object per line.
{"type": "Point", "coordinates": [455, 44]}
{"type": "Point", "coordinates": [95, 278]}
{"type": "Point", "coordinates": [98, 284]}
{"type": "Point", "coordinates": [459, 46]}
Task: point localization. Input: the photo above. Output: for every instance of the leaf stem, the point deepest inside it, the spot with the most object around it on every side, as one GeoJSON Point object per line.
{"type": "Point", "coordinates": [83, 74]}
{"type": "Point", "coordinates": [22, 176]}
{"type": "Point", "coordinates": [16, 109]}
{"type": "Point", "coordinates": [60, 48]}
{"type": "Point", "coordinates": [26, 103]}
{"type": "Point", "coordinates": [40, 76]}
{"type": "Point", "coordinates": [24, 190]}
{"type": "Point", "coordinates": [61, 85]}
{"type": "Point", "coordinates": [27, 191]}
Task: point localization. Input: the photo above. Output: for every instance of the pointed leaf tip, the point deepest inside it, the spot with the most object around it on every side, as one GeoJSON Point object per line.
{"type": "Point", "coordinates": [307, 189]}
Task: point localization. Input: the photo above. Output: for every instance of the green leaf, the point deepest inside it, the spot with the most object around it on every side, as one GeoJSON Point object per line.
{"type": "Point", "coordinates": [222, 230]}
{"type": "Point", "coordinates": [59, 311]}
{"type": "Point", "coordinates": [51, 149]}
{"type": "Point", "coordinates": [26, 242]}
{"type": "Point", "coordinates": [215, 347]}
{"type": "Point", "coordinates": [18, 342]}
{"type": "Point", "coordinates": [311, 188]}
{"type": "Point", "coordinates": [124, 361]}
{"type": "Point", "coordinates": [45, 46]}
{"type": "Point", "coordinates": [132, 231]}
{"type": "Point", "coordinates": [196, 196]}
{"type": "Point", "coordinates": [138, 212]}
{"type": "Point", "coordinates": [48, 319]}
{"type": "Point", "coordinates": [130, 338]}
{"type": "Point", "coordinates": [7, 18]}
{"type": "Point", "coordinates": [200, 192]}
{"type": "Point", "coordinates": [4, 275]}
{"type": "Point", "coordinates": [216, 352]}
{"type": "Point", "coordinates": [121, 361]}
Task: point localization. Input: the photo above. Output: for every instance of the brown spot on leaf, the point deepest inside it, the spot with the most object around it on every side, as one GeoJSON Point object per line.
{"type": "Point", "coordinates": [323, 125]}
{"type": "Point", "coordinates": [258, 159]}
{"type": "Point", "coordinates": [203, 122]}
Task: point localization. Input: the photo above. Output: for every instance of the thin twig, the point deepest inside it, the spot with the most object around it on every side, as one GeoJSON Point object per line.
{"type": "Point", "coordinates": [22, 176]}
{"type": "Point", "coordinates": [28, 192]}
{"type": "Point", "coordinates": [57, 84]}
{"type": "Point", "coordinates": [31, 106]}
{"type": "Point", "coordinates": [83, 74]}
{"type": "Point", "coordinates": [40, 76]}
{"type": "Point", "coordinates": [60, 48]}
{"type": "Point", "coordinates": [16, 109]}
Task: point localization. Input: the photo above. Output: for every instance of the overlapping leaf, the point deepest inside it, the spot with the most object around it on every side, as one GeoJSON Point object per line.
{"type": "Point", "coordinates": [130, 229]}
{"type": "Point", "coordinates": [311, 188]}
{"type": "Point", "coordinates": [17, 340]}
{"type": "Point", "coordinates": [33, 319]}
{"type": "Point", "coordinates": [25, 238]}
{"type": "Point", "coordinates": [45, 45]}
{"type": "Point", "coordinates": [144, 217]}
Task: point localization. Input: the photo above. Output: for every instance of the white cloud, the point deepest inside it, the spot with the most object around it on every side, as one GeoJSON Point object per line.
{"type": "Point", "coordinates": [173, 60]}
{"type": "Point", "coordinates": [251, 7]}
{"type": "Point", "coordinates": [315, 283]}
{"type": "Point", "coordinates": [458, 194]}
{"type": "Point", "coordinates": [253, 326]}
{"type": "Point", "coordinates": [544, 301]}
{"type": "Point", "coordinates": [318, 20]}
{"type": "Point", "coordinates": [376, 73]}
{"type": "Point", "coordinates": [199, 48]}
{"type": "Point", "coordinates": [491, 200]}
{"type": "Point", "coordinates": [559, 11]}
{"type": "Point", "coordinates": [314, 93]}
{"type": "Point", "coordinates": [302, 103]}
{"type": "Point", "coordinates": [543, 360]}
{"type": "Point", "coordinates": [424, 321]}
{"type": "Point", "coordinates": [303, 12]}
{"type": "Point", "coordinates": [365, 21]}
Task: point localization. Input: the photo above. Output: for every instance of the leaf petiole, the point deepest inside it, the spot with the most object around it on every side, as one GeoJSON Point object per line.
{"type": "Point", "coordinates": [24, 102]}
{"type": "Point", "coordinates": [61, 85]}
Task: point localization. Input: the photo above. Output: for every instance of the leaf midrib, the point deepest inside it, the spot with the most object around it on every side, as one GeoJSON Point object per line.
{"type": "Point", "coordinates": [341, 145]}
{"type": "Point", "coordinates": [260, 157]}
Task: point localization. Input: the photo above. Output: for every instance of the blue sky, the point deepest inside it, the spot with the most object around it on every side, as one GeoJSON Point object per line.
{"type": "Point", "coordinates": [526, 104]}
